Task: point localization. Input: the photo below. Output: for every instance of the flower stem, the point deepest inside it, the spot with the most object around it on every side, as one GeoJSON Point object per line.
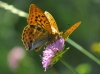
{"type": "Point", "coordinates": [67, 65]}
{"type": "Point", "coordinates": [77, 46]}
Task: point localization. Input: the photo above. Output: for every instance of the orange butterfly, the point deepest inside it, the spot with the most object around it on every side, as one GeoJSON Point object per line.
{"type": "Point", "coordinates": [41, 28]}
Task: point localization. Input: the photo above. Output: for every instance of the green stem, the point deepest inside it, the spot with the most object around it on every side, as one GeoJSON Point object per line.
{"type": "Point", "coordinates": [67, 65]}
{"type": "Point", "coordinates": [77, 46]}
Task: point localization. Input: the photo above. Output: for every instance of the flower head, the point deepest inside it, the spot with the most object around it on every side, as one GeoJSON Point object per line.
{"type": "Point", "coordinates": [14, 56]}
{"type": "Point", "coordinates": [50, 52]}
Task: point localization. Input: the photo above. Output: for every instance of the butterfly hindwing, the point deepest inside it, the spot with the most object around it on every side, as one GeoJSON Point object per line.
{"type": "Point", "coordinates": [41, 29]}
{"type": "Point", "coordinates": [37, 32]}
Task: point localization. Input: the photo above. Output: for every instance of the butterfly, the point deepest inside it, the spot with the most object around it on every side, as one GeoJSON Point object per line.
{"type": "Point", "coordinates": [41, 28]}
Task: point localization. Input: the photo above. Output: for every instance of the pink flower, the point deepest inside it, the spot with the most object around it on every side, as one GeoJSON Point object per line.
{"type": "Point", "coordinates": [50, 51]}
{"type": "Point", "coordinates": [14, 56]}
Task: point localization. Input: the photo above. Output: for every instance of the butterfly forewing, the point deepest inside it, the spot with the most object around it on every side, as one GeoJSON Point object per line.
{"type": "Point", "coordinates": [37, 32]}
{"type": "Point", "coordinates": [41, 29]}
{"type": "Point", "coordinates": [37, 17]}
{"type": "Point", "coordinates": [70, 30]}
{"type": "Point", "coordinates": [52, 21]}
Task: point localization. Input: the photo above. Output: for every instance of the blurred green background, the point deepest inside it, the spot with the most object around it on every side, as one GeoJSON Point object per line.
{"type": "Point", "coordinates": [65, 12]}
